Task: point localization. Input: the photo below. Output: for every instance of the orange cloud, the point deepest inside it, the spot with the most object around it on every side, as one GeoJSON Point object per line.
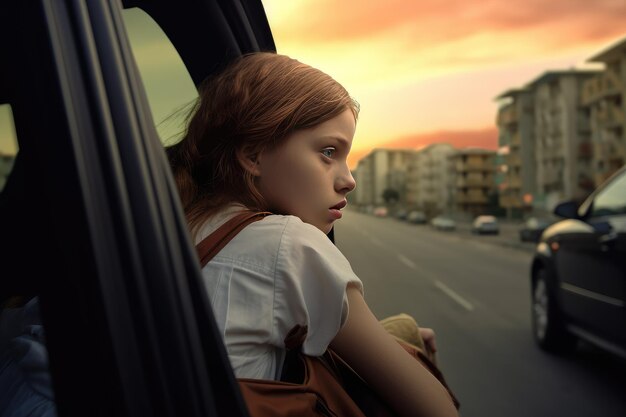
{"type": "Point", "coordinates": [365, 44]}
{"type": "Point", "coordinates": [437, 21]}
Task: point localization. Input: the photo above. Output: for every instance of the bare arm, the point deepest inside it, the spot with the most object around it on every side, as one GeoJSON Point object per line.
{"type": "Point", "coordinates": [405, 384]}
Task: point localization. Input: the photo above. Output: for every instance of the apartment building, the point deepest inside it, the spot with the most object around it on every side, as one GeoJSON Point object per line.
{"type": "Point", "coordinates": [430, 180]}
{"type": "Point", "coordinates": [381, 169]}
{"type": "Point", "coordinates": [563, 167]}
{"type": "Point", "coordinates": [602, 103]}
{"type": "Point", "coordinates": [515, 159]}
{"type": "Point", "coordinates": [475, 169]}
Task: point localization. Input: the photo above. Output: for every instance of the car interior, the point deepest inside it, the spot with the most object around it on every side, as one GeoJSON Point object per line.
{"type": "Point", "coordinates": [90, 218]}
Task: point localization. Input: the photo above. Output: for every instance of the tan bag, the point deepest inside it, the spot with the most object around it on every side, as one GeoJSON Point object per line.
{"type": "Point", "coordinates": [309, 386]}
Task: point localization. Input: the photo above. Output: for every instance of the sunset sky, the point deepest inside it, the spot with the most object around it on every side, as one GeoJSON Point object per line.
{"type": "Point", "coordinates": [428, 70]}
{"type": "Point", "coordinates": [423, 71]}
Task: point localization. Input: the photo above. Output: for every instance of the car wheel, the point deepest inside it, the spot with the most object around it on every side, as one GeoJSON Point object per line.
{"type": "Point", "coordinates": [548, 327]}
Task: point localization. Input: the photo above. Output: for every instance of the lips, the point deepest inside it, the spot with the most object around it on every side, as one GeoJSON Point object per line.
{"type": "Point", "coordinates": [339, 205]}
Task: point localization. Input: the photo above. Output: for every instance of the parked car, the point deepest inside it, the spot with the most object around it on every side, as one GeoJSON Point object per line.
{"type": "Point", "coordinates": [443, 223]}
{"type": "Point", "coordinates": [485, 225]}
{"type": "Point", "coordinates": [533, 228]}
{"type": "Point", "coordinates": [578, 274]}
{"type": "Point", "coordinates": [90, 217]}
{"type": "Point", "coordinates": [380, 211]}
{"type": "Point", "coordinates": [416, 217]}
{"type": "Point", "coordinates": [401, 214]}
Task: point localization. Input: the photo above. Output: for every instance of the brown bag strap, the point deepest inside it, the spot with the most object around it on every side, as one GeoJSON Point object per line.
{"type": "Point", "coordinates": [215, 242]}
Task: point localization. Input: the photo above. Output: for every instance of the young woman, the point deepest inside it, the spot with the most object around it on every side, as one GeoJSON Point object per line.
{"type": "Point", "coordinates": [272, 134]}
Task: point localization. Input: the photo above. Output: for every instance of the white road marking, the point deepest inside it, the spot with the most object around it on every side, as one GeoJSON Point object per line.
{"type": "Point", "coordinates": [407, 261]}
{"type": "Point", "coordinates": [456, 297]}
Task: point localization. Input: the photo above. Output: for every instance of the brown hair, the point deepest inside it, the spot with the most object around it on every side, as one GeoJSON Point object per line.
{"type": "Point", "coordinates": [253, 105]}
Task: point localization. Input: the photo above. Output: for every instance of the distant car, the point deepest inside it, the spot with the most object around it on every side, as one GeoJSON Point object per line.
{"type": "Point", "coordinates": [401, 214]}
{"type": "Point", "coordinates": [416, 217]}
{"type": "Point", "coordinates": [533, 228]}
{"type": "Point", "coordinates": [380, 212]}
{"type": "Point", "coordinates": [485, 225]}
{"type": "Point", "coordinates": [443, 223]}
{"type": "Point", "coordinates": [578, 274]}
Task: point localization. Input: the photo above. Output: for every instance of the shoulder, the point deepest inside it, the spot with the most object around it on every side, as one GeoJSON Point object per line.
{"type": "Point", "coordinates": [263, 242]}
{"type": "Point", "coordinates": [288, 232]}
{"type": "Point", "coordinates": [298, 233]}
{"type": "Point", "coordinates": [305, 252]}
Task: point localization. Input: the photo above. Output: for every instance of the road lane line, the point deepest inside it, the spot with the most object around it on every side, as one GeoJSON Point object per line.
{"type": "Point", "coordinates": [456, 297]}
{"type": "Point", "coordinates": [407, 261]}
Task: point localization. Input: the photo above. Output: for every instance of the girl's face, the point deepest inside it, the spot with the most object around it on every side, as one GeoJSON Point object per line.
{"type": "Point", "coordinates": [308, 175]}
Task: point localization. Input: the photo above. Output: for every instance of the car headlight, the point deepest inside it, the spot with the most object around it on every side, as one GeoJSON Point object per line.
{"type": "Point", "coordinates": [544, 249]}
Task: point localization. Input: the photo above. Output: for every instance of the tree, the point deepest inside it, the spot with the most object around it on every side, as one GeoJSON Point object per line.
{"type": "Point", "coordinates": [391, 196]}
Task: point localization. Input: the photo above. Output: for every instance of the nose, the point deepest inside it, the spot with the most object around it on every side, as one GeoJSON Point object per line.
{"type": "Point", "coordinates": [345, 181]}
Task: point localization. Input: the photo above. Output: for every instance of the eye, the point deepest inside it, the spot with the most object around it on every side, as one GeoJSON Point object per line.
{"type": "Point", "coordinates": [328, 152]}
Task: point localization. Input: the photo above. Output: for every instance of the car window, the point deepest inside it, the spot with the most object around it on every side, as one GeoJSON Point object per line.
{"type": "Point", "coordinates": [169, 87]}
{"type": "Point", "coordinates": [8, 143]}
{"type": "Point", "coordinates": [612, 199]}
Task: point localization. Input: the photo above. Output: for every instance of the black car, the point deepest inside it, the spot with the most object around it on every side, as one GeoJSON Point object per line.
{"type": "Point", "coordinates": [578, 277]}
{"type": "Point", "coordinates": [90, 220]}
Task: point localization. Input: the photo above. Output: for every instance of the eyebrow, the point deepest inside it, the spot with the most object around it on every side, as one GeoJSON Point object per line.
{"type": "Point", "coordinates": [343, 141]}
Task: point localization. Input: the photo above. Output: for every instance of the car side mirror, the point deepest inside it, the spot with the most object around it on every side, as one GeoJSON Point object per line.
{"type": "Point", "coordinates": [568, 210]}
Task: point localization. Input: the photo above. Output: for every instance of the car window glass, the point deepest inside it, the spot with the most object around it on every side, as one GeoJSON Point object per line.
{"type": "Point", "coordinates": [612, 199]}
{"type": "Point", "coordinates": [8, 143]}
{"type": "Point", "coordinates": [168, 85]}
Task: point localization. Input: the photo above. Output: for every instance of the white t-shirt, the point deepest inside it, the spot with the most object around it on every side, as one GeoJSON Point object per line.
{"type": "Point", "coordinates": [276, 273]}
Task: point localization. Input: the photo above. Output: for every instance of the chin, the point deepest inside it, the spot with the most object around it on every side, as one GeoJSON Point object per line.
{"type": "Point", "coordinates": [326, 228]}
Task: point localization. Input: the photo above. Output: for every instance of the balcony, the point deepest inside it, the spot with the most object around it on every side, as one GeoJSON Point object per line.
{"type": "Point", "coordinates": [473, 166]}
{"type": "Point", "coordinates": [474, 182]}
{"type": "Point", "coordinates": [513, 160]}
{"type": "Point", "coordinates": [507, 115]}
{"type": "Point", "coordinates": [515, 183]}
{"type": "Point", "coordinates": [585, 150]}
{"type": "Point", "coordinates": [605, 84]}
{"type": "Point", "coordinates": [587, 93]}
{"type": "Point", "coordinates": [583, 126]}
{"type": "Point", "coordinates": [511, 200]}
{"type": "Point", "coordinates": [516, 140]}
{"type": "Point", "coordinates": [611, 116]}
{"type": "Point", "coordinates": [471, 198]}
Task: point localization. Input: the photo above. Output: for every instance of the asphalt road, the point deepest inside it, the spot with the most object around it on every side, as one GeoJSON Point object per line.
{"type": "Point", "coordinates": [474, 291]}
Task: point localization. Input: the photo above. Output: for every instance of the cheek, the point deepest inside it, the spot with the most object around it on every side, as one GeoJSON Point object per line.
{"type": "Point", "coordinates": [292, 184]}
{"type": "Point", "coordinates": [280, 180]}
{"type": "Point", "coordinates": [307, 178]}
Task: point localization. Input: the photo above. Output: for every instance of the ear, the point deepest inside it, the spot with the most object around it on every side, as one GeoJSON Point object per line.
{"type": "Point", "coordinates": [249, 162]}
